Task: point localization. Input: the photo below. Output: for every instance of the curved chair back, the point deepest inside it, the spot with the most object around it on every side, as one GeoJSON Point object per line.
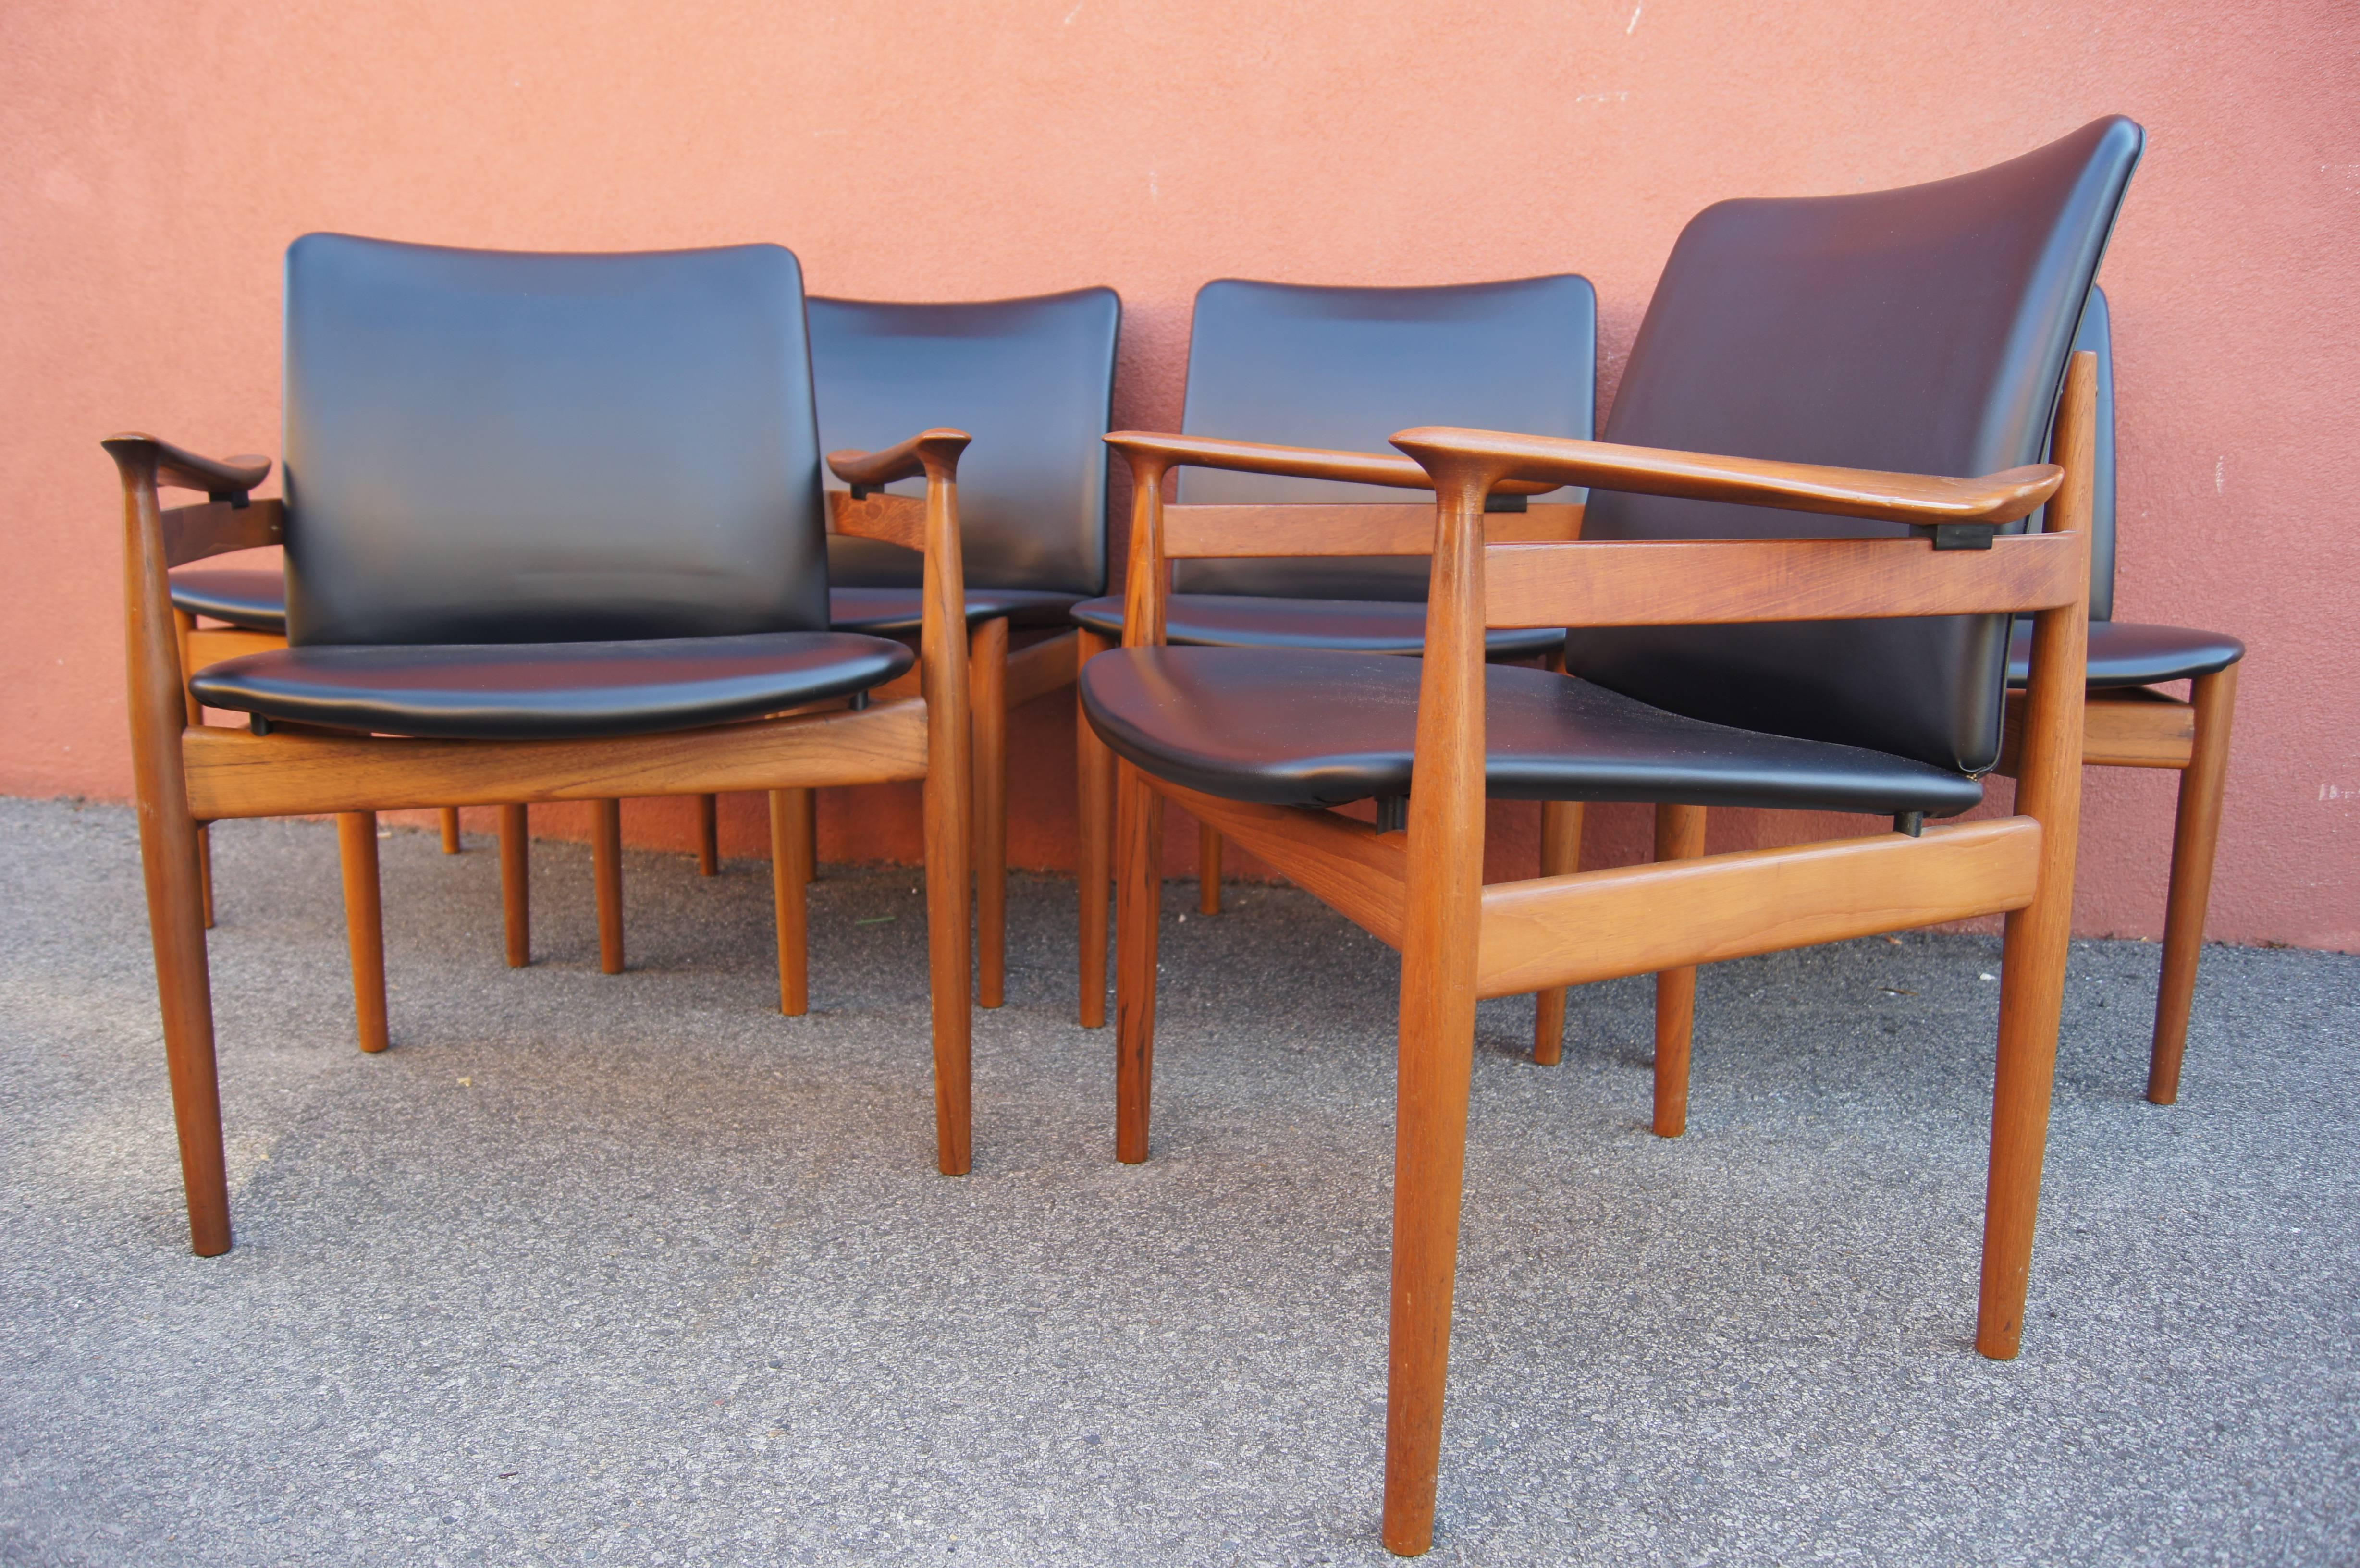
{"type": "Point", "coordinates": [494, 446]}
{"type": "Point", "coordinates": [1922, 331]}
{"type": "Point", "coordinates": [1345, 368]}
{"type": "Point", "coordinates": [1032, 380]}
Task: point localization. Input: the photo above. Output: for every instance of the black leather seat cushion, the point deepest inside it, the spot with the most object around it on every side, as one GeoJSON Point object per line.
{"type": "Point", "coordinates": [1353, 626]}
{"type": "Point", "coordinates": [253, 600]}
{"type": "Point", "coordinates": [549, 690]}
{"type": "Point", "coordinates": [1314, 727]}
{"type": "Point", "coordinates": [258, 601]}
{"type": "Point", "coordinates": [2124, 654]}
{"type": "Point", "coordinates": [898, 612]}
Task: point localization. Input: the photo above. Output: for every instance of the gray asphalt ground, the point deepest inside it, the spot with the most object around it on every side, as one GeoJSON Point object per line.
{"type": "Point", "coordinates": [634, 1270]}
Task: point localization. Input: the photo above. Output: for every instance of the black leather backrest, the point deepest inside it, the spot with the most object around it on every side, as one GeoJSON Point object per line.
{"type": "Point", "coordinates": [1032, 380]}
{"type": "Point", "coordinates": [2097, 336]}
{"type": "Point", "coordinates": [1923, 330]}
{"type": "Point", "coordinates": [488, 446]}
{"type": "Point", "coordinates": [1347, 367]}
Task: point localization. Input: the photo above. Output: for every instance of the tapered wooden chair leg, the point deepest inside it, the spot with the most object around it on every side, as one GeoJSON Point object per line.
{"type": "Point", "coordinates": [790, 879]}
{"type": "Point", "coordinates": [1560, 856]}
{"type": "Point", "coordinates": [175, 922]}
{"type": "Point", "coordinates": [1429, 1173]}
{"type": "Point", "coordinates": [2032, 997]}
{"type": "Point", "coordinates": [205, 869]}
{"type": "Point", "coordinates": [810, 840]}
{"type": "Point", "coordinates": [451, 841]}
{"type": "Point", "coordinates": [708, 835]}
{"type": "Point", "coordinates": [988, 713]}
{"type": "Point", "coordinates": [1680, 835]}
{"type": "Point", "coordinates": [2193, 836]}
{"type": "Point", "coordinates": [606, 868]}
{"type": "Point", "coordinates": [1209, 870]}
{"type": "Point", "coordinates": [1138, 898]}
{"type": "Point", "coordinates": [364, 923]}
{"type": "Point", "coordinates": [949, 967]}
{"type": "Point", "coordinates": [516, 884]}
{"type": "Point", "coordinates": [1094, 767]}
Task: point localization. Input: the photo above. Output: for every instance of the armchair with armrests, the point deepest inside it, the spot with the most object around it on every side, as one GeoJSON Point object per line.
{"type": "Point", "coordinates": [1032, 381]}
{"type": "Point", "coordinates": [554, 531]}
{"type": "Point", "coordinates": [1337, 367]}
{"type": "Point", "coordinates": [2128, 724]}
{"type": "Point", "coordinates": [1851, 658]}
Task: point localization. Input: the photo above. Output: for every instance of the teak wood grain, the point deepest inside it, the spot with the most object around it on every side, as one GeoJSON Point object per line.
{"type": "Point", "coordinates": [363, 924]}
{"type": "Point", "coordinates": [1656, 583]}
{"type": "Point", "coordinates": [1501, 456]}
{"type": "Point", "coordinates": [1308, 528]}
{"type": "Point", "coordinates": [932, 453]}
{"type": "Point", "coordinates": [2033, 946]}
{"type": "Point", "coordinates": [1157, 451]}
{"type": "Point", "coordinates": [218, 527]}
{"type": "Point", "coordinates": [1094, 824]}
{"type": "Point", "coordinates": [179, 468]}
{"type": "Point", "coordinates": [233, 773]}
{"type": "Point", "coordinates": [1637, 920]}
{"type": "Point", "coordinates": [211, 645]}
{"type": "Point", "coordinates": [894, 519]}
{"type": "Point", "coordinates": [1353, 870]}
{"type": "Point", "coordinates": [2196, 829]}
{"type": "Point", "coordinates": [516, 882]}
{"type": "Point", "coordinates": [2138, 728]}
{"type": "Point", "coordinates": [988, 701]}
{"type": "Point", "coordinates": [1440, 946]}
{"type": "Point", "coordinates": [1680, 835]}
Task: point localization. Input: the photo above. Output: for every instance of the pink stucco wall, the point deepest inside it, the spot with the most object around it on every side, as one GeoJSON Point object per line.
{"type": "Point", "coordinates": [160, 157]}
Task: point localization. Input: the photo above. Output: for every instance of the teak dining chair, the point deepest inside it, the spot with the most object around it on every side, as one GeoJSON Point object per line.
{"type": "Point", "coordinates": [1032, 381]}
{"type": "Point", "coordinates": [554, 531]}
{"type": "Point", "coordinates": [1737, 654]}
{"type": "Point", "coordinates": [2128, 724]}
{"type": "Point", "coordinates": [1296, 365]}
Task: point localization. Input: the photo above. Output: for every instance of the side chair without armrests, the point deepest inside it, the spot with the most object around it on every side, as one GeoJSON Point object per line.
{"type": "Point", "coordinates": [1338, 368]}
{"type": "Point", "coordinates": [1852, 659]}
{"type": "Point", "coordinates": [554, 531]}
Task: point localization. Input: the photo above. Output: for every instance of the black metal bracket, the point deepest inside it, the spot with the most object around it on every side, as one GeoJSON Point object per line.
{"type": "Point", "coordinates": [860, 491]}
{"type": "Point", "coordinates": [859, 704]}
{"type": "Point", "coordinates": [1956, 536]}
{"type": "Point", "coordinates": [239, 500]}
{"type": "Point", "coordinates": [1393, 811]}
{"type": "Point", "coordinates": [1910, 822]}
{"type": "Point", "coordinates": [1505, 504]}
{"type": "Point", "coordinates": [257, 723]}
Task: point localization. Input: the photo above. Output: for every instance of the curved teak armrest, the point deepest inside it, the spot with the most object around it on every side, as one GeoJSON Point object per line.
{"type": "Point", "coordinates": [933, 453]}
{"type": "Point", "coordinates": [1294, 462]}
{"type": "Point", "coordinates": [222, 479]}
{"type": "Point", "coordinates": [1918, 498]}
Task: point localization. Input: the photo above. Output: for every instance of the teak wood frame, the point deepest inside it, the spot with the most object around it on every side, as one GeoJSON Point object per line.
{"type": "Point", "coordinates": [1422, 891]}
{"type": "Point", "coordinates": [187, 773]}
{"type": "Point", "coordinates": [999, 681]}
{"type": "Point", "coordinates": [2139, 728]}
